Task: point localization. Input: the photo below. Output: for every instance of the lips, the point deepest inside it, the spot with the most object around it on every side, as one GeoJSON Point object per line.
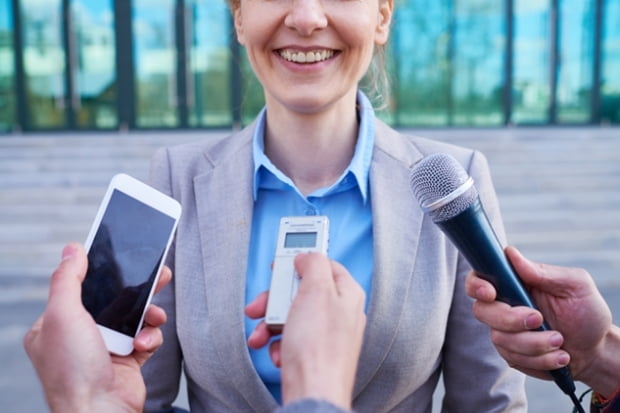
{"type": "Point", "coordinates": [312, 56]}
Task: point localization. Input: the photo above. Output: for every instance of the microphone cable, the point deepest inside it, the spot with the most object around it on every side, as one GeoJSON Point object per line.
{"type": "Point", "coordinates": [577, 403]}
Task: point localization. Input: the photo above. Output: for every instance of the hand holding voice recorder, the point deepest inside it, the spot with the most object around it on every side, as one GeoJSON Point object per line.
{"type": "Point", "coordinates": [295, 235]}
{"type": "Point", "coordinates": [126, 246]}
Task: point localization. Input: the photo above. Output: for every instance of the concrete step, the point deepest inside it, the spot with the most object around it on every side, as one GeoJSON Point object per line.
{"type": "Point", "coordinates": [559, 191]}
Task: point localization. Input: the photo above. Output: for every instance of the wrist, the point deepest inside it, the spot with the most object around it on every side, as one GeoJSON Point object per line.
{"type": "Point", "coordinates": [88, 405]}
{"type": "Point", "coordinates": [603, 372]}
{"type": "Point", "coordinates": [333, 391]}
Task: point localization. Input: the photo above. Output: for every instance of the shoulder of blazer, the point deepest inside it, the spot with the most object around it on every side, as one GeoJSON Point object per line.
{"type": "Point", "coordinates": [213, 149]}
{"type": "Point", "coordinates": [409, 149]}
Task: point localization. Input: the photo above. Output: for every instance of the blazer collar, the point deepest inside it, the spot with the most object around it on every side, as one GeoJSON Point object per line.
{"type": "Point", "coordinates": [397, 222]}
{"type": "Point", "coordinates": [224, 206]}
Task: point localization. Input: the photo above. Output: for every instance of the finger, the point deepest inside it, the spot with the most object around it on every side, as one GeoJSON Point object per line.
{"type": "Point", "coordinates": [345, 283]}
{"type": "Point", "coordinates": [155, 316]}
{"type": "Point", "coordinates": [536, 366]}
{"type": "Point", "coordinates": [66, 282]}
{"type": "Point", "coordinates": [529, 343]}
{"type": "Point", "coordinates": [260, 336]}
{"type": "Point", "coordinates": [258, 307]}
{"type": "Point", "coordinates": [315, 270]}
{"type": "Point", "coordinates": [559, 281]}
{"type": "Point", "coordinates": [275, 352]}
{"type": "Point", "coordinates": [148, 339]}
{"type": "Point", "coordinates": [164, 278]}
{"type": "Point", "coordinates": [31, 335]}
{"type": "Point", "coordinates": [502, 317]}
{"type": "Point", "coordinates": [478, 288]}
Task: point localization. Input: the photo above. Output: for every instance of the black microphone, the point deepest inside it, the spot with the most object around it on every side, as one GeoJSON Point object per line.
{"type": "Point", "coordinates": [447, 194]}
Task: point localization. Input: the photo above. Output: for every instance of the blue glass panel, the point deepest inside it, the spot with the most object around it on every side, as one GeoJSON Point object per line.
{"type": "Point", "coordinates": [155, 63]}
{"type": "Point", "coordinates": [7, 64]}
{"type": "Point", "coordinates": [209, 78]}
{"type": "Point", "coordinates": [575, 60]}
{"type": "Point", "coordinates": [531, 88]}
{"type": "Point", "coordinates": [93, 58]}
{"type": "Point", "coordinates": [610, 82]}
{"type": "Point", "coordinates": [44, 63]}
{"type": "Point", "coordinates": [478, 62]}
{"type": "Point", "coordinates": [420, 61]}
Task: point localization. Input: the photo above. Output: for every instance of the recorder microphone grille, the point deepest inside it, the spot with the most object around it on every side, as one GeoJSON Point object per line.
{"type": "Point", "coordinates": [436, 177]}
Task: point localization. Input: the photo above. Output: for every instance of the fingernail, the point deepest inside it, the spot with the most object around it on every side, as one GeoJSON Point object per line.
{"type": "Point", "coordinates": [146, 341]}
{"type": "Point", "coordinates": [556, 340]}
{"type": "Point", "coordinates": [68, 252]}
{"type": "Point", "coordinates": [563, 359]}
{"type": "Point", "coordinates": [532, 321]}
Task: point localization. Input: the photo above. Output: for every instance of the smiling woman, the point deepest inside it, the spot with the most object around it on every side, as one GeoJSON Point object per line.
{"type": "Point", "coordinates": [317, 148]}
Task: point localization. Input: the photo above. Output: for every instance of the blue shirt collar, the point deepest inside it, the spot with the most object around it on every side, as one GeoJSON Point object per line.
{"type": "Point", "coordinates": [360, 163]}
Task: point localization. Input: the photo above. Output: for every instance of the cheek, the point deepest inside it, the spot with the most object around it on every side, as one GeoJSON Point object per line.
{"type": "Point", "coordinates": [359, 33]}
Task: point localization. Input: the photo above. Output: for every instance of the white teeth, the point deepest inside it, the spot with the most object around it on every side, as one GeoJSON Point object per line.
{"type": "Point", "coordinates": [310, 57]}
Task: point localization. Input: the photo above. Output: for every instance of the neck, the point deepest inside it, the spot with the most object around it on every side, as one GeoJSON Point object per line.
{"type": "Point", "coordinates": [313, 149]}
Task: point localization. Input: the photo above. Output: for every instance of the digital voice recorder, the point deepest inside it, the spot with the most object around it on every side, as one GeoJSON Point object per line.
{"type": "Point", "coordinates": [296, 235]}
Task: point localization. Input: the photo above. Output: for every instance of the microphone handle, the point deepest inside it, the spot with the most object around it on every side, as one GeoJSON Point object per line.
{"type": "Point", "coordinates": [472, 234]}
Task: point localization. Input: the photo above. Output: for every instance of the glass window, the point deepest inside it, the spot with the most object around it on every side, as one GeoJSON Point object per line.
{"type": "Point", "coordinates": [7, 65]}
{"type": "Point", "coordinates": [155, 63]}
{"type": "Point", "coordinates": [575, 61]}
{"type": "Point", "coordinates": [610, 81]}
{"type": "Point", "coordinates": [93, 57]}
{"type": "Point", "coordinates": [420, 61]}
{"type": "Point", "coordinates": [532, 58]}
{"type": "Point", "coordinates": [44, 63]}
{"type": "Point", "coordinates": [478, 63]}
{"type": "Point", "coordinates": [209, 77]}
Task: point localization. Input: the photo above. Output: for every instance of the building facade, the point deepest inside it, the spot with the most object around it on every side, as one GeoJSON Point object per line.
{"type": "Point", "coordinates": [166, 64]}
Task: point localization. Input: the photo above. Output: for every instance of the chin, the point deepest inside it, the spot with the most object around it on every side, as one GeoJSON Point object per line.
{"type": "Point", "coordinates": [310, 103]}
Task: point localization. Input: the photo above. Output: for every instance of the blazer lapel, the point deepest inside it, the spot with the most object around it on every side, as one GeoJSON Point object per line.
{"type": "Point", "coordinates": [397, 221]}
{"type": "Point", "coordinates": [224, 207]}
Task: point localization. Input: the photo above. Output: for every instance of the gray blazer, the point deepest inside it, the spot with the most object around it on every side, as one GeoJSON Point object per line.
{"type": "Point", "coordinates": [419, 318]}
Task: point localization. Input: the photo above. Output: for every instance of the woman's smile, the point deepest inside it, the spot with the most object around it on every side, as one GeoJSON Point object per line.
{"type": "Point", "coordinates": [302, 57]}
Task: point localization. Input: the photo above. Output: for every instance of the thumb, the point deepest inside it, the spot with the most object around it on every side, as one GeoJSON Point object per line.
{"type": "Point", "coordinates": [315, 270]}
{"type": "Point", "coordinates": [534, 274]}
{"type": "Point", "coordinates": [66, 281]}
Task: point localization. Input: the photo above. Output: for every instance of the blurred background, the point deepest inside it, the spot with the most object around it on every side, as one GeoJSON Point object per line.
{"type": "Point", "coordinates": [89, 88]}
{"type": "Point", "coordinates": [144, 64]}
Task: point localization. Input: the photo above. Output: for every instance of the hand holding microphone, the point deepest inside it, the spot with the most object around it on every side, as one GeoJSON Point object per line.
{"type": "Point", "coordinates": [573, 305]}
{"type": "Point", "coordinates": [447, 194]}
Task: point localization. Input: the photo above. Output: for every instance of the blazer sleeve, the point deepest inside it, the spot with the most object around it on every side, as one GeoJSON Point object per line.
{"type": "Point", "coordinates": [162, 372]}
{"type": "Point", "coordinates": [474, 374]}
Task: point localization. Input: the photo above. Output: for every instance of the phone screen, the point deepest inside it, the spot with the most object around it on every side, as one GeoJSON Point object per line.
{"type": "Point", "coordinates": [123, 261]}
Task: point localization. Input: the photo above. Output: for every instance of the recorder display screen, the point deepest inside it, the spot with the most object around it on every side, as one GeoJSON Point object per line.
{"type": "Point", "coordinates": [300, 240]}
{"type": "Point", "coordinates": [123, 261]}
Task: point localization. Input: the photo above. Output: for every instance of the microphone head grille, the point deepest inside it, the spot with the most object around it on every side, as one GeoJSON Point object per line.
{"type": "Point", "coordinates": [439, 176]}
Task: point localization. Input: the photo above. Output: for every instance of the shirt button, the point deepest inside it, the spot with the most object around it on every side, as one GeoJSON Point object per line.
{"type": "Point", "coordinates": [310, 211]}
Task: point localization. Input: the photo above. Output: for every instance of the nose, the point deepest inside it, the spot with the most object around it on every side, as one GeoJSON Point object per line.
{"type": "Point", "coordinates": [306, 16]}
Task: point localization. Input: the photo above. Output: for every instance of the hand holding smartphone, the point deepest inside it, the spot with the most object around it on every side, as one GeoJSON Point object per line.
{"type": "Point", "coordinates": [126, 247]}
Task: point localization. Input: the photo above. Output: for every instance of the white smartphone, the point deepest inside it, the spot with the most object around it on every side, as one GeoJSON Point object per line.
{"type": "Point", "coordinates": [126, 246]}
{"type": "Point", "coordinates": [295, 235]}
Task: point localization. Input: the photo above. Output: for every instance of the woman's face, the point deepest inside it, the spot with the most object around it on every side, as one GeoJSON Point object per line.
{"type": "Point", "coordinates": [308, 54]}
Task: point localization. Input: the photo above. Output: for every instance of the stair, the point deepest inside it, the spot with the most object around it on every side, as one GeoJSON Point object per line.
{"type": "Point", "coordinates": [559, 190]}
